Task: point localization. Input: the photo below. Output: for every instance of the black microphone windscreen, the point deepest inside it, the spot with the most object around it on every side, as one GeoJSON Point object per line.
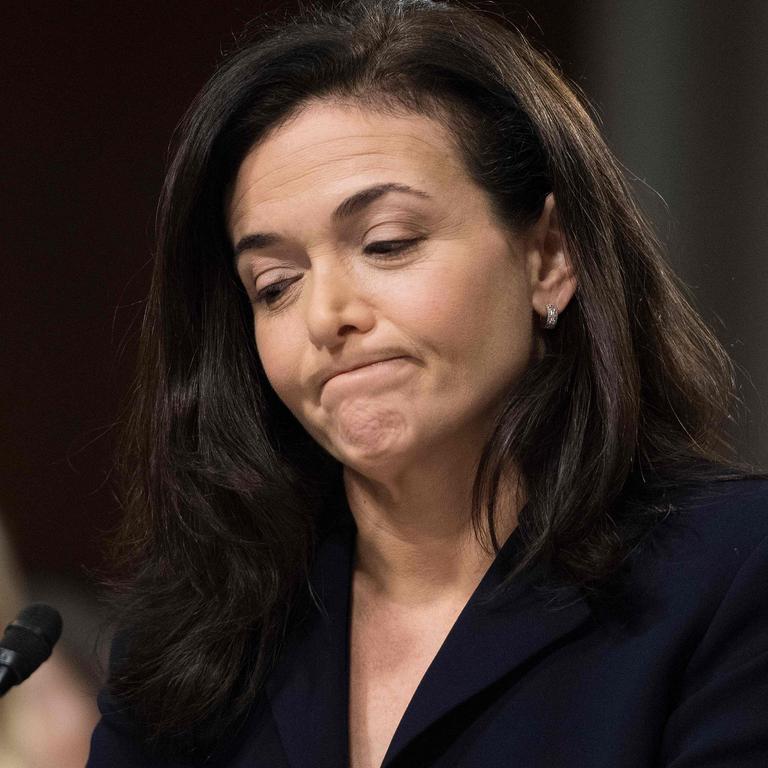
{"type": "Point", "coordinates": [42, 620]}
{"type": "Point", "coordinates": [29, 640]}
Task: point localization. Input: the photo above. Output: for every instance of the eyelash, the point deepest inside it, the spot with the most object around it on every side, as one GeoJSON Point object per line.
{"type": "Point", "coordinates": [390, 250]}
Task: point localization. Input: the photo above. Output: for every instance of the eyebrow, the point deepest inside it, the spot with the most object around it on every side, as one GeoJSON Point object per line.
{"type": "Point", "coordinates": [349, 207]}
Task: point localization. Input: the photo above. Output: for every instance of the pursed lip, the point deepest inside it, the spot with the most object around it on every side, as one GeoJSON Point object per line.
{"type": "Point", "coordinates": [332, 371]}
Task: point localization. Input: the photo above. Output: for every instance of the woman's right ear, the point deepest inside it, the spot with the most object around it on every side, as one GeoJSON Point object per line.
{"type": "Point", "coordinates": [550, 271]}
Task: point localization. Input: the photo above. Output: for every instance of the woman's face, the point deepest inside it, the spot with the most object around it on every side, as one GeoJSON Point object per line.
{"type": "Point", "coordinates": [359, 237]}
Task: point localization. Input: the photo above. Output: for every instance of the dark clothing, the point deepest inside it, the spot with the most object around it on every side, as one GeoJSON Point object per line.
{"type": "Point", "coordinates": [680, 680]}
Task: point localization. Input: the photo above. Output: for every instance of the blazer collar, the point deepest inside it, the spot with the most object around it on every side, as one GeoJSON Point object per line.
{"type": "Point", "coordinates": [492, 638]}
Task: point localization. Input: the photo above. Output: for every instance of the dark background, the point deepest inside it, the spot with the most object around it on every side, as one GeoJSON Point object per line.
{"type": "Point", "coordinates": [92, 93]}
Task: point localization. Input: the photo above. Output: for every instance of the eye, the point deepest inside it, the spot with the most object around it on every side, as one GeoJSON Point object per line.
{"type": "Point", "coordinates": [271, 293]}
{"type": "Point", "coordinates": [382, 249]}
{"type": "Point", "coordinates": [385, 248]}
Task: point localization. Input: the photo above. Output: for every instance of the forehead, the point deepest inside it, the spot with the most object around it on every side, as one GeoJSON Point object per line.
{"type": "Point", "coordinates": [328, 148]}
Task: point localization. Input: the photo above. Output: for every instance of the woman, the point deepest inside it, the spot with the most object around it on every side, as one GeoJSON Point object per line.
{"type": "Point", "coordinates": [426, 462]}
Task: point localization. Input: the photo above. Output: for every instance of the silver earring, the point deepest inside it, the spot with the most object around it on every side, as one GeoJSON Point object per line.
{"type": "Point", "coordinates": [550, 321]}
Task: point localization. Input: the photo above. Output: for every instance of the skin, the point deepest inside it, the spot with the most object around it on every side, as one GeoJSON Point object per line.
{"type": "Point", "coordinates": [460, 307]}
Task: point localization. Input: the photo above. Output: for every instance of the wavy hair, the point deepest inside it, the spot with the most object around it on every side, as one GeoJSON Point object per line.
{"type": "Point", "coordinates": [225, 495]}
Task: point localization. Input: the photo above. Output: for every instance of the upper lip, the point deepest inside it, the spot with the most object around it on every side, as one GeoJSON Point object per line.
{"type": "Point", "coordinates": [350, 365]}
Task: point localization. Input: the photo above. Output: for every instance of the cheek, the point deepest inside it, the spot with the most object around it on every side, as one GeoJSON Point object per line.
{"type": "Point", "coordinates": [487, 324]}
{"type": "Point", "coordinates": [280, 361]}
{"type": "Point", "coordinates": [471, 305]}
{"type": "Point", "coordinates": [438, 299]}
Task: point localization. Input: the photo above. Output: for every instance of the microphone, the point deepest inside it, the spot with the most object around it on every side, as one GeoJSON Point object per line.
{"type": "Point", "coordinates": [27, 643]}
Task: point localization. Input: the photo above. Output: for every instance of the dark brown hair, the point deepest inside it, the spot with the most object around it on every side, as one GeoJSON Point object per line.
{"type": "Point", "coordinates": [225, 494]}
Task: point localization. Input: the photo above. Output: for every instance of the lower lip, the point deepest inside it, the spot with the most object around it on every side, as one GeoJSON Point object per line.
{"type": "Point", "coordinates": [383, 371]}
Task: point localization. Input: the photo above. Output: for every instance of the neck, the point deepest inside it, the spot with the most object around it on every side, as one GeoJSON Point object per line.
{"type": "Point", "coordinates": [415, 540]}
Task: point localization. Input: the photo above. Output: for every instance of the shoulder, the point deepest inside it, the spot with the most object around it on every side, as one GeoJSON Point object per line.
{"type": "Point", "coordinates": [744, 500]}
{"type": "Point", "coordinates": [119, 740]}
{"type": "Point", "coordinates": [724, 521]}
{"type": "Point", "coordinates": [702, 574]}
{"type": "Point", "coordinates": [712, 544]}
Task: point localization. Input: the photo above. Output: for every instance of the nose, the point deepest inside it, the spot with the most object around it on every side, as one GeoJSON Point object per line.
{"type": "Point", "coordinates": [336, 303]}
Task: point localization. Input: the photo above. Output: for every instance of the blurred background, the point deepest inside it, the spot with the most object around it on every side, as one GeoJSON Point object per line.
{"type": "Point", "coordinates": [93, 92]}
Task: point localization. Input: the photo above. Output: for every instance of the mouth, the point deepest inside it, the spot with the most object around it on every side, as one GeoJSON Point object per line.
{"type": "Point", "coordinates": [362, 365]}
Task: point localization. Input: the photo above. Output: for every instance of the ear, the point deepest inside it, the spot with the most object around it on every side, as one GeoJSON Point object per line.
{"type": "Point", "coordinates": [549, 266]}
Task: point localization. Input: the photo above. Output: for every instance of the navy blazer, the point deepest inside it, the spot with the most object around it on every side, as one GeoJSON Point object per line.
{"type": "Point", "coordinates": [680, 680]}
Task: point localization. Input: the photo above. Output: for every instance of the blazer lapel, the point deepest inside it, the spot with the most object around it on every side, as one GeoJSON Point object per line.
{"type": "Point", "coordinates": [308, 689]}
{"type": "Point", "coordinates": [489, 640]}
